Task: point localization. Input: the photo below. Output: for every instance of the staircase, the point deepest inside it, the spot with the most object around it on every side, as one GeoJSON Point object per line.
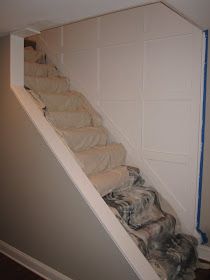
{"type": "Point", "coordinates": [173, 255]}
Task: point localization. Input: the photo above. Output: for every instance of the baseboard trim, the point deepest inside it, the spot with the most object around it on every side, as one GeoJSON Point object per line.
{"type": "Point", "coordinates": [30, 263]}
{"type": "Point", "coordinates": [204, 252]}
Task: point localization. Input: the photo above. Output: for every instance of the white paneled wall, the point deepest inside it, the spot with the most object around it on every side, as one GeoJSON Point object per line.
{"type": "Point", "coordinates": [171, 107]}
{"type": "Point", "coordinates": [141, 69]}
{"type": "Point", "coordinates": [80, 56]}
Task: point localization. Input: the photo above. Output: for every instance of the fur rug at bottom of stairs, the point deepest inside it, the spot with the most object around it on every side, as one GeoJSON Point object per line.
{"type": "Point", "coordinates": [173, 256]}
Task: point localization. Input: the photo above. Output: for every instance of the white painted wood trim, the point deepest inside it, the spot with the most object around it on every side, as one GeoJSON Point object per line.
{"type": "Point", "coordinates": [30, 263]}
{"type": "Point", "coordinates": [204, 252]}
{"type": "Point", "coordinates": [66, 158]}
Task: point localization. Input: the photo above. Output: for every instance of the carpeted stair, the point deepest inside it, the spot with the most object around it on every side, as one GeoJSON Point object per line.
{"type": "Point", "coordinates": [172, 255]}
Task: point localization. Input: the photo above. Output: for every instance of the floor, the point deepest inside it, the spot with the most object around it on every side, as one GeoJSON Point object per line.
{"type": "Point", "coordinates": [10, 270]}
{"type": "Point", "coordinates": [202, 274]}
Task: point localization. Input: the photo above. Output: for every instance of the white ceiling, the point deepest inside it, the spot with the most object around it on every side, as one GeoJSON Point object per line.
{"type": "Point", "coordinates": [42, 14]}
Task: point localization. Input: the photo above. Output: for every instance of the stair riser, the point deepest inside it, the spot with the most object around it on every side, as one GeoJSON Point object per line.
{"type": "Point", "coordinates": [61, 102]}
{"type": "Point", "coordinates": [65, 120]}
{"type": "Point", "coordinates": [50, 85]}
{"type": "Point", "coordinates": [136, 205]}
{"type": "Point", "coordinates": [99, 159]}
{"type": "Point", "coordinates": [85, 138]}
{"type": "Point", "coordinates": [110, 180]}
{"type": "Point", "coordinates": [31, 55]}
{"type": "Point", "coordinates": [39, 70]}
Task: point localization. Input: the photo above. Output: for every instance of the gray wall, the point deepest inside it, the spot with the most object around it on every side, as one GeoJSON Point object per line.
{"type": "Point", "coordinates": [205, 212]}
{"type": "Point", "coordinates": [42, 214]}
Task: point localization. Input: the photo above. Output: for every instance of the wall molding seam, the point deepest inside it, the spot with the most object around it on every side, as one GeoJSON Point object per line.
{"type": "Point", "coordinates": [204, 252]}
{"type": "Point", "coordinates": [118, 100]}
{"type": "Point", "coordinates": [123, 44]}
{"type": "Point", "coordinates": [166, 99]}
{"type": "Point", "coordinates": [30, 263]}
{"type": "Point", "coordinates": [166, 153]}
{"type": "Point", "coordinates": [151, 37]}
{"type": "Point", "coordinates": [175, 161]}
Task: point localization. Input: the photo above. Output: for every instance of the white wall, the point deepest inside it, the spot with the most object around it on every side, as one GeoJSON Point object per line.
{"type": "Point", "coordinates": [141, 68]}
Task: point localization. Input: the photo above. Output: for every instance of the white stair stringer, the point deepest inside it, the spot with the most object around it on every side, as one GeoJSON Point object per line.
{"type": "Point", "coordinates": [66, 158]}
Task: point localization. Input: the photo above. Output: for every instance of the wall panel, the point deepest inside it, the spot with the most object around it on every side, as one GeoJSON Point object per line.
{"type": "Point", "coordinates": [167, 126]}
{"type": "Point", "coordinates": [168, 67]}
{"type": "Point", "coordinates": [122, 70]}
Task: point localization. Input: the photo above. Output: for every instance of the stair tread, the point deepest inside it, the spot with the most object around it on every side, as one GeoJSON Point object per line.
{"type": "Point", "coordinates": [100, 158]}
{"type": "Point", "coordinates": [112, 179]}
{"type": "Point", "coordinates": [73, 119]}
{"type": "Point", "coordinates": [79, 139]}
{"type": "Point", "coordinates": [155, 230]}
{"type": "Point", "coordinates": [176, 259]}
{"type": "Point", "coordinates": [136, 205]}
{"type": "Point", "coordinates": [62, 102]}
{"type": "Point", "coordinates": [31, 55]}
{"type": "Point", "coordinates": [47, 84]}
{"type": "Point", "coordinates": [39, 70]}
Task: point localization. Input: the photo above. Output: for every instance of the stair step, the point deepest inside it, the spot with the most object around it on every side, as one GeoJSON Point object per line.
{"type": "Point", "coordinates": [31, 55]}
{"type": "Point", "coordinates": [66, 120]}
{"type": "Point", "coordinates": [109, 180]}
{"type": "Point", "coordinates": [175, 257]}
{"type": "Point", "coordinates": [137, 206]}
{"type": "Point", "coordinates": [100, 158]}
{"type": "Point", "coordinates": [39, 70]}
{"type": "Point", "coordinates": [70, 101]}
{"type": "Point", "coordinates": [151, 234]}
{"type": "Point", "coordinates": [62, 102]}
{"type": "Point", "coordinates": [51, 85]}
{"type": "Point", "coordinates": [155, 231]}
{"type": "Point", "coordinates": [80, 139]}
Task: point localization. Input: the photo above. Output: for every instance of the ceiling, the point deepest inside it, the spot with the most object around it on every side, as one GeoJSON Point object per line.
{"type": "Point", "coordinates": [43, 14]}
